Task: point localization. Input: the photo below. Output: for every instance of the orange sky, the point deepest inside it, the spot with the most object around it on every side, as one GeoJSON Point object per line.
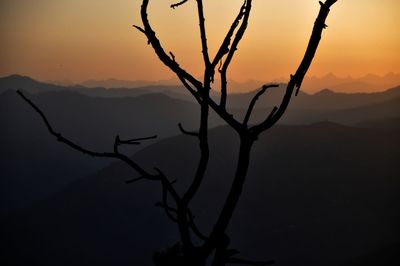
{"type": "Point", "coordinates": [93, 39]}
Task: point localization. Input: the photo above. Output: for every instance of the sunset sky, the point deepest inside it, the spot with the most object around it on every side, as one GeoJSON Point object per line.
{"type": "Point", "coordinates": [78, 40]}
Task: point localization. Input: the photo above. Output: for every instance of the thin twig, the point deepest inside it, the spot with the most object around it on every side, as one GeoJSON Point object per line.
{"type": "Point", "coordinates": [184, 131]}
{"type": "Point", "coordinates": [136, 141]}
{"type": "Point", "coordinates": [134, 180]}
{"type": "Point", "coordinates": [255, 99]}
{"type": "Point", "coordinates": [173, 6]}
{"type": "Point", "coordinates": [194, 226]}
{"type": "Point", "coordinates": [168, 210]}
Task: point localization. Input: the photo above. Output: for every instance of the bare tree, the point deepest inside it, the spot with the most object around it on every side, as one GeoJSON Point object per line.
{"type": "Point", "coordinates": [214, 244]}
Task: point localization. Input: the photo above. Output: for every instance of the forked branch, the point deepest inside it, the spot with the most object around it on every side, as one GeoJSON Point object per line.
{"type": "Point", "coordinates": [187, 79]}
{"type": "Point", "coordinates": [244, 15]}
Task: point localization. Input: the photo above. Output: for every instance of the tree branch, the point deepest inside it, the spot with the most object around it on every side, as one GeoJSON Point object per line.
{"type": "Point", "coordinates": [255, 99]}
{"type": "Point", "coordinates": [196, 94]}
{"type": "Point", "coordinates": [162, 55]}
{"type": "Point", "coordinates": [139, 29]}
{"type": "Point", "coordinates": [235, 43]}
{"type": "Point", "coordinates": [194, 134]}
{"type": "Point", "coordinates": [194, 227]}
{"type": "Point", "coordinates": [184, 76]}
{"type": "Point", "coordinates": [164, 204]}
{"type": "Point", "coordinates": [315, 38]}
{"type": "Point", "coordinates": [218, 232]}
{"type": "Point", "coordinates": [136, 141]}
{"type": "Point", "coordinates": [173, 6]}
{"type": "Point", "coordinates": [203, 36]}
{"type": "Point", "coordinates": [75, 146]}
{"type": "Point", "coordinates": [224, 48]}
{"type": "Point", "coordinates": [168, 185]}
{"type": "Point", "coordinates": [134, 180]}
{"type": "Point", "coordinates": [204, 153]}
{"type": "Point", "coordinates": [297, 79]}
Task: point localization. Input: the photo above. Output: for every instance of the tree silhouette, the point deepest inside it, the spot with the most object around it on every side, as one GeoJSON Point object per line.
{"type": "Point", "coordinates": [215, 244]}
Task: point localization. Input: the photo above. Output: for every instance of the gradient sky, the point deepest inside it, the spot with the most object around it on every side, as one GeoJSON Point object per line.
{"type": "Point", "coordinates": [78, 40]}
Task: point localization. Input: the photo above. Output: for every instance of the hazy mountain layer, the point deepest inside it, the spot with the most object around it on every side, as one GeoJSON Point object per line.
{"type": "Point", "coordinates": [323, 100]}
{"type": "Point", "coordinates": [28, 150]}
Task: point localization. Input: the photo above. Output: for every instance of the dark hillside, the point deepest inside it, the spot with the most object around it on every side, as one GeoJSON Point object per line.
{"type": "Point", "coordinates": [322, 194]}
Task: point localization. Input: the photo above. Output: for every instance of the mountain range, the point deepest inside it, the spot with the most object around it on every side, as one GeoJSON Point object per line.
{"type": "Point", "coordinates": [323, 183]}
{"type": "Point", "coordinates": [324, 99]}
{"type": "Point", "coordinates": [312, 84]}
{"type": "Point", "coordinates": [94, 122]}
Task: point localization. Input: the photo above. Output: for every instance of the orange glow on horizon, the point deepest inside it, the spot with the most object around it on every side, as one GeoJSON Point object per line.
{"type": "Point", "coordinates": [79, 40]}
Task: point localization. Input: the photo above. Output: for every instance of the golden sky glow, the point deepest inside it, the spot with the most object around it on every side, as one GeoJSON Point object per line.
{"type": "Point", "coordinates": [93, 39]}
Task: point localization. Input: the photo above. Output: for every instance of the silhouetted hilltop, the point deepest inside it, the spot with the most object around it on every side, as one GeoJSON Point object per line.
{"type": "Point", "coordinates": [316, 195]}
{"type": "Point", "coordinates": [15, 82]}
{"type": "Point", "coordinates": [30, 85]}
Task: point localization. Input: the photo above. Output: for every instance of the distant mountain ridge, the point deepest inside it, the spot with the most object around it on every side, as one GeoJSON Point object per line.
{"type": "Point", "coordinates": [324, 99]}
{"type": "Point", "coordinates": [311, 84]}
{"type": "Point", "coordinates": [30, 85]}
{"type": "Point", "coordinates": [117, 83]}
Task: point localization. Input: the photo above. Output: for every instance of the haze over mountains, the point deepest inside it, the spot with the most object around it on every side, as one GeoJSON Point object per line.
{"type": "Point", "coordinates": [324, 99]}
{"type": "Point", "coordinates": [93, 117]}
{"type": "Point", "coordinates": [367, 83]}
{"type": "Point", "coordinates": [323, 185]}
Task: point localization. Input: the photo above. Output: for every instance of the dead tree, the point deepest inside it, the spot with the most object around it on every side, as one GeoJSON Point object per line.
{"type": "Point", "coordinates": [215, 244]}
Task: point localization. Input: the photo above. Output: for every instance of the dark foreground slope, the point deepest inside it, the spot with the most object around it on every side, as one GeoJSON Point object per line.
{"type": "Point", "coordinates": [316, 195]}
